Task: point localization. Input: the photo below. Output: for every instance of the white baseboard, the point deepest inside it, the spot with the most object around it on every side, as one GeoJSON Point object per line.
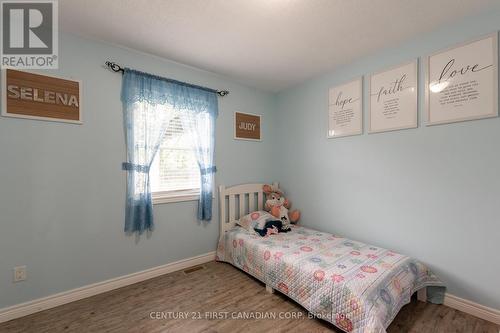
{"type": "Point", "coordinates": [52, 301]}
{"type": "Point", "coordinates": [65, 297]}
{"type": "Point", "coordinates": [475, 309]}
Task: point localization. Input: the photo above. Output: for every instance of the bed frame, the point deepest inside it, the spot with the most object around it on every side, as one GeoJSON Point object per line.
{"type": "Point", "coordinates": [239, 200]}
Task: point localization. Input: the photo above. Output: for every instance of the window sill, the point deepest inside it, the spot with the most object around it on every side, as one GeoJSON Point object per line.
{"type": "Point", "coordinates": [180, 196]}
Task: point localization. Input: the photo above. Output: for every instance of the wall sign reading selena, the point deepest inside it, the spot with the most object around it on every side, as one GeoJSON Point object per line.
{"type": "Point", "coordinates": [247, 126]}
{"type": "Point", "coordinates": [41, 97]}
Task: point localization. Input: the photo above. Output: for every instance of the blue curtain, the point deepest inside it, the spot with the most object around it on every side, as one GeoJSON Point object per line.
{"type": "Point", "coordinates": [149, 103]}
{"type": "Point", "coordinates": [201, 127]}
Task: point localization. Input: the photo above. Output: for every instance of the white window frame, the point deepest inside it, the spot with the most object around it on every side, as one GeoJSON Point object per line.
{"type": "Point", "coordinates": [165, 197]}
{"type": "Point", "coordinates": [175, 196]}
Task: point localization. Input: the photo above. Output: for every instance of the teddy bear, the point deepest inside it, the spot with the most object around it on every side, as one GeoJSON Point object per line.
{"type": "Point", "coordinates": [279, 206]}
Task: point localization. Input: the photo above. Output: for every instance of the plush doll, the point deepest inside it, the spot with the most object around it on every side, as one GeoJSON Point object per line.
{"type": "Point", "coordinates": [272, 227]}
{"type": "Point", "coordinates": [278, 206]}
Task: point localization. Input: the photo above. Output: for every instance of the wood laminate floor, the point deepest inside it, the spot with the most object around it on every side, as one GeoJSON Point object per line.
{"type": "Point", "coordinates": [215, 290]}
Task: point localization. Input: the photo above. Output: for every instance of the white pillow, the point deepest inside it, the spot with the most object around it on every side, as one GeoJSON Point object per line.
{"type": "Point", "coordinates": [255, 220]}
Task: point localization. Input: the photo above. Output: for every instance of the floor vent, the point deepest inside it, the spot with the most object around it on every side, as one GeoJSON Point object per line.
{"type": "Point", "coordinates": [193, 269]}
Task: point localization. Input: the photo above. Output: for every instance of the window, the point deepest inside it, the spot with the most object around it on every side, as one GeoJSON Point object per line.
{"type": "Point", "coordinates": [175, 174]}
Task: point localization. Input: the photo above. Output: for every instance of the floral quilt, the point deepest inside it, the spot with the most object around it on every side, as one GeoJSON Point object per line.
{"type": "Point", "coordinates": [355, 286]}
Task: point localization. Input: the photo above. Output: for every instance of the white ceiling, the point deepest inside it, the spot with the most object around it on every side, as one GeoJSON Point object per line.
{"type": "Point", "coordinates": [270, 44]}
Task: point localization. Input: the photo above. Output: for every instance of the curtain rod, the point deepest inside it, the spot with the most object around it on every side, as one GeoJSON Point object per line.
{"type": "Point", "coordinates": [117, 68]}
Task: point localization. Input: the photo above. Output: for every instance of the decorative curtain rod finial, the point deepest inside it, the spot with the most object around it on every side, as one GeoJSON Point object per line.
{"type": "Point", "coordinates": [114, 66]}
{"type": "Point", "coordinates": [222, 93]}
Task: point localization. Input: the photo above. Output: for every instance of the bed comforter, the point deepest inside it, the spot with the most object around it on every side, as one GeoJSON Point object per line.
{"type": "Point", "coordinates": [355, 286]}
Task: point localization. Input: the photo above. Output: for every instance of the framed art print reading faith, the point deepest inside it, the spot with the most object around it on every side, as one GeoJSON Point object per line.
{"type": "Point", "coordinates": [462, 82]}
{"type": "Point", "coordinates": [393, 99]}
{"type": "Point", "coordinates": [345, 109]}
{"type": "Point", "coordinates": [247, 126]}
{"type": "Point", "coordinates": [40, 97]}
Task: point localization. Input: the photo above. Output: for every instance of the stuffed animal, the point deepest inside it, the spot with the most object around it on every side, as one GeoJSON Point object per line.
{"type": "Point", "coordinates": [279, 206]}
{"type": "Point", "coordinates": [272, 227]}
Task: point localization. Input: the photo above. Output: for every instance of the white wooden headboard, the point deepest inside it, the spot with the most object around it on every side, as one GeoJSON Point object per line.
{"type": "Point", "coordinates": [237, 201]}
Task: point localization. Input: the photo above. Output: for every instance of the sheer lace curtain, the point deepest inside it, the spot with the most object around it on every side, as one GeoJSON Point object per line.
{"type": "Point", "coordinates": [201, 127]}
{"type": "Point", "coordinates": [149, 103]}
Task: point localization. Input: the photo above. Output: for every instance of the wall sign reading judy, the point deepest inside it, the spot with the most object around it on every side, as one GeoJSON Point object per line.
{"type": "Point", "coordinates": [40, 97]}
{"type": "Point", "coordinates": [462, 83]}
{"type": "Point", "coordinates": [247, 126]}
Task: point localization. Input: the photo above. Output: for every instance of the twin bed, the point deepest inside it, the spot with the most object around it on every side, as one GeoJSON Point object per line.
{"type": "Point", "coordinates": [355, 286]}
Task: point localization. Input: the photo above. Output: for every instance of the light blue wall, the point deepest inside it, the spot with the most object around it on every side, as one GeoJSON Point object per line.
{"type": "Point", "coordinates": [431, 192]}
{"type": "Point", "coordinates": [62, 188]}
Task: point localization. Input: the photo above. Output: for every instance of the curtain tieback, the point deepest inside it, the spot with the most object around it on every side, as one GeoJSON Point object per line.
{"type": "Point", "coordinates": [208, 170]}
{"type": "Point", "coordinates": [135, 167]}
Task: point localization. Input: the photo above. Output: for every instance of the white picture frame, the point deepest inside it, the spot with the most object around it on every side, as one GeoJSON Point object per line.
{"type": "Point", "coordinates": [451, 96]}
{"type": "Point", "coordinates": [345, 109]}
{"type": "Point", "coordinates": [393, 98]}
{"type": "Point", "coordinates": [253, 115]}
{"type": "Point", "coordinates": [5, 112]}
